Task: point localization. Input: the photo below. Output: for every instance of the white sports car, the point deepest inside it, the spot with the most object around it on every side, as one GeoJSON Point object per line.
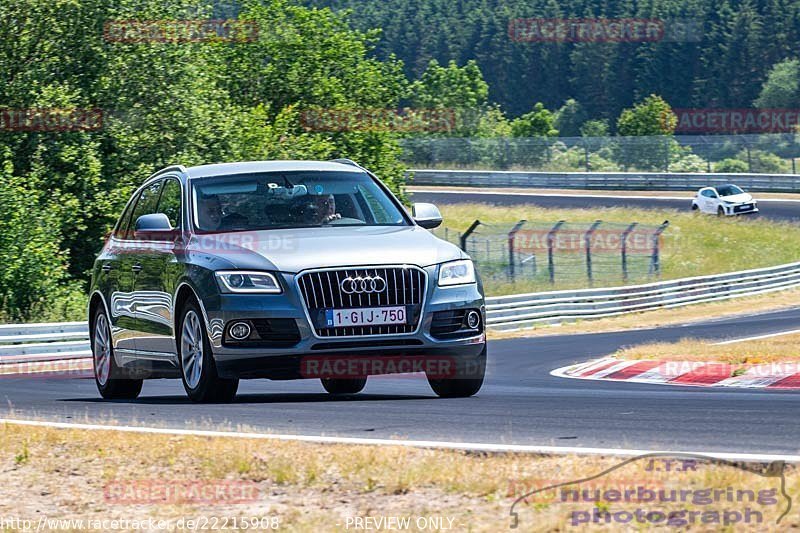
{"type": "Point", "coordinates": [724, 200]}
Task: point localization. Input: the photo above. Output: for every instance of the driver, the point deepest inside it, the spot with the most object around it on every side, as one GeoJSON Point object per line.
{"type": "Point", "coordinates": [209, 210]}
{"type": "Point", "coordinates": [315, 210]}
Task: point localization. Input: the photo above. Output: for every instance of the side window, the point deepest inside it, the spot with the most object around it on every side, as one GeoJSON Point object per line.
{"type": "Point", "coordinates": [122, 227]}
{"type": "Point", "coordinates": [374, 209]}
{"type": "Point", "coordinates": [708, 193]}
{"type": "Point", "coordinates": [147, 202]}
{"type": "Point", "coordinates": [170, 202]}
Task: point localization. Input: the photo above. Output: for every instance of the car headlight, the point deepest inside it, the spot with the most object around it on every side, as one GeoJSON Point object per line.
{"type": "Point", "coordinates": [457, 273]}
{"type": "Point", "coordinates": [241, 281]}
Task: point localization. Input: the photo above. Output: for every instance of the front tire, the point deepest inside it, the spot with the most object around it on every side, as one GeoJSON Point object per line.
{"type": "Point", "coordinates": [467, 381]}
{"type": "Point", "coordinates": [344, 386]}
{"type": "Point", "coordinates": [108, 377]}
{"type": "Point", "coordinates": [720, 211]}
{"type": "Point", "coordinates": [198, 371]}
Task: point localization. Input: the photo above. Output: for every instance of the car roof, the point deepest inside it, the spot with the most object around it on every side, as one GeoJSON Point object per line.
{"type": "Point", "coordinates": [251, 167]}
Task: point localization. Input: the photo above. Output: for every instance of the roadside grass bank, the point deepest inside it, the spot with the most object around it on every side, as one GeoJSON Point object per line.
{"type": "Point", "coordinates": [693, 245]}
{"type": "Point", "coordinates": [764, 303]}
{"type": "Point", "coordinates": [779, 349]}
{"type": "Point", "coordinates": [96, 475]}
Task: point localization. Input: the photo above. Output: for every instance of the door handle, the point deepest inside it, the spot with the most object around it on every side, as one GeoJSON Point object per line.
{"type": "Point", "coordinates": [107, 267]}
{"type": "Point", "coordinates": [137, 267]}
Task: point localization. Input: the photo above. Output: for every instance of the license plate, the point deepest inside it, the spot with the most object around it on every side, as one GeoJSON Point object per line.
{"type": "Point", "coordinates": [369, 316]}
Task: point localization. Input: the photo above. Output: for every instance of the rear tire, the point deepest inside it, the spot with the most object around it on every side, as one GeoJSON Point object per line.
{"type": "Point", "coordinates": [344, 386]}
{"type": "Point", "coordinates": [695, 208]}
{"type": "Point", "coordinates": [467, 381]}
{"type": "Point", "coordinates": [108, 377]}
{"type": "Point", "coordinates": [198, 370]}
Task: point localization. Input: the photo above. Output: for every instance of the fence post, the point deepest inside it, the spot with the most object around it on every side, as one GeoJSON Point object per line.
{"type": "Point", "coordinates": [624, 239]}
{"type": "Point", "coordinates": [587, 240]}
{"type": "Point", "coordinates": [511, 235]}
{"type": "Point", "coordinates": [586, 155]}
{"type": "Point", "coordinates": [466, 234]}
{"type": "Point", "coordinates": [655, 261]}
{"type": "Point", "coordinates": [550, 238]}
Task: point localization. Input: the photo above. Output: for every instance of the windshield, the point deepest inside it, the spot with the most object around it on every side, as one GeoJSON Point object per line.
{"type": "Point", "coordinates": [729, 190]}
{"type": "Point", "coordinates": [276, 200]}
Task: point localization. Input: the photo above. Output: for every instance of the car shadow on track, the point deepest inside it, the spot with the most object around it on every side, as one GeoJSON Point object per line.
{"type": "Point", "coordinates": [244, 399]}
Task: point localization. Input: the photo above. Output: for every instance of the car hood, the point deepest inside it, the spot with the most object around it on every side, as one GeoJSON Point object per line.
{"type": "Point", "coordinates": [294, 250]}
{"type": "Point", "coordinates": [738, 198]}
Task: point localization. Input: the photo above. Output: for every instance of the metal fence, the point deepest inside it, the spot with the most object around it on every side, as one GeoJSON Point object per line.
{"type": "Point", "coordinates": [632, 181]}
{"type": "Point", "coordinates": [764, 153]}
{"type": "Point", "coordinates": [558, 252]}
{"type": "Point", "coordinates": [64, 346]}
{"type": "Point", "coordinates": [529, 310]}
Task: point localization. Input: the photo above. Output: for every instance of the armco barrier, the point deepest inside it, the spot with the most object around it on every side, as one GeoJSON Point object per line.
{"type": "Point", "coordinates": [24, 343]}
{"type": "Point", "coordinates": [528, 310]}
{"type": "Point", "coordinates": [634, 181]}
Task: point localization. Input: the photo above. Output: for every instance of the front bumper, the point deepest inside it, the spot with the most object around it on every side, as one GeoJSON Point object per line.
{"type": "Point", "coordinates": [741, 209]}
{"type": "Point", "coordinates": [281, 362]}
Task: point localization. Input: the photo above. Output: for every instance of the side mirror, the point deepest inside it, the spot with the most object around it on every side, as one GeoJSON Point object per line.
{"type": "Point", "coordinates": [426, 215]}
{"type": "Point", "coordinates": [155, 226]}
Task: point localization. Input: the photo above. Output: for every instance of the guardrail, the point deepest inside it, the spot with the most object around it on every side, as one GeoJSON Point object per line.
{"type": "Point", "coordinates": [26, 343]}
{"type": "Point", "coordinates": [528, 310]}
{"type": "Point", "coordinates": [662, 181]}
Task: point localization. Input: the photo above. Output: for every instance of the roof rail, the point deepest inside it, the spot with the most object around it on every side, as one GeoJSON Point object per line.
{"type": "Point", "coordinates": [346, 162]}
{"type": "Point", "coordinates": [179, 168]}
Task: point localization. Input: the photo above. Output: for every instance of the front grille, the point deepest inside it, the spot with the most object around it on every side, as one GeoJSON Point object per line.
{"type": "Point", "coordinates": [322, 290]}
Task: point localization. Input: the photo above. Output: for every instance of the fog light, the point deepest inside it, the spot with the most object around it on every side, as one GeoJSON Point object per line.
{"type": "Point", "coordinates": [473, 319]}
{"type": "Point", "coordinates": [240, 331]}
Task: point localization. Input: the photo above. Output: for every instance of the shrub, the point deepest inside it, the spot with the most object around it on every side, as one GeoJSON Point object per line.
{"type": "Point", "coordinates": [731, 166]}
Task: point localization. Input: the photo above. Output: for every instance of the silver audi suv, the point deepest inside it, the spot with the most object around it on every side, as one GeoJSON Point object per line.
{"type": "Point", "coordinates": [281, 270]}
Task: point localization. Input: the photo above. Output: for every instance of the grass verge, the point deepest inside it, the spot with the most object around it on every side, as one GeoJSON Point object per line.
{"type": "Point", "coordinates": [780, 349]}
{"type": "Point", "coordinates": [693, 245]}
{"type": "Point", "coordinates": [106, 475]}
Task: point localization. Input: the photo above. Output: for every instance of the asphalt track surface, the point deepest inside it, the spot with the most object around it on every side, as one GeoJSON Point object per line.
{"type": "Point", "coordinates": [521, 403]}
{"type": "Point", "coordinates": [771, 209]}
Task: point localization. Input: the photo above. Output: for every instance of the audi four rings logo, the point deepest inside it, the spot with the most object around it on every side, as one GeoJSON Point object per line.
{"type": "Point", "coordinates": [363, 285]}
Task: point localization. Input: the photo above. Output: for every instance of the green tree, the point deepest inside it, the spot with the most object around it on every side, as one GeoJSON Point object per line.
{"type": "Point", "coordinates": [540, 122]}
{"type": "Point", "coordinates": [781, 90]}
{"type": "Point", "coordinates": [569, 118]}
{"type": "Point", "coordinates": [652, 116]}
